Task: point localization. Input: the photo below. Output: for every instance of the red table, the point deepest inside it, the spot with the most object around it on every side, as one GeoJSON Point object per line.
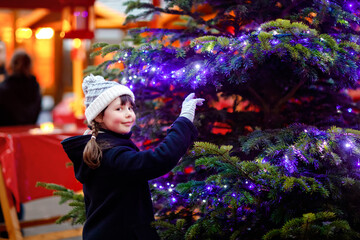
{"type": "Point", "coordinates": [28, 156]}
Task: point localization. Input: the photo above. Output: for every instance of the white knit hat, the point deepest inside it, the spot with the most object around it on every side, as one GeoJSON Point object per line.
{"type": "Point", "coordinates": [99, 93]}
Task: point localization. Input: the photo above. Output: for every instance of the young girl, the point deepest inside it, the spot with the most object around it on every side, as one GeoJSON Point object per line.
{"type": "Point", "coordinates": [113, 171]}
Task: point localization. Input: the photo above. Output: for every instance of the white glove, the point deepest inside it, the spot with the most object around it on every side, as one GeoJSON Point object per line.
{"type": "Point", "coordinates": [189, 106]}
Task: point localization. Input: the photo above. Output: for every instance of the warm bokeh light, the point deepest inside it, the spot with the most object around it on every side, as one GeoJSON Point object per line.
{"type": "Point", "coordinates": [23, 33]}
{"type": "Point", "coordinates": [7, 34]}
{"type": "Point", "coordinates": [47, 127]}
{"type": "Point", "coordinates": [44, 59]}
{"type": "Point", "coordinates": [66, 27]}
{"type": "Point", "coordinates": [44, 33]}
{"type": "Point", "coordinates": [77, 43]}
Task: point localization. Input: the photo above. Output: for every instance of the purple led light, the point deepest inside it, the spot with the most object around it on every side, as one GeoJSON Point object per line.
{"type": "Point", "coordinates": [288, 164]}
{"type": "Point", "coordinates": [275, 42]}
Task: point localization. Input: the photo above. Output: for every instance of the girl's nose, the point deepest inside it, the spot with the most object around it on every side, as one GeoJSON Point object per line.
{"type": "Point", "coordinates": [127, 113]}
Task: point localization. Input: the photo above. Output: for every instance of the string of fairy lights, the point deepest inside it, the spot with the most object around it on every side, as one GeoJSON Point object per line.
{"type": "Point", "coordinates": [345, 144]}
{"type": "Point", "coordinates": [211, 60]}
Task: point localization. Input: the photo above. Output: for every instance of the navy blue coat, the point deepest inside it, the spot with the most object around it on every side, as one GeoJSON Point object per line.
{"type": "Point", "coordinates": [117, 195]}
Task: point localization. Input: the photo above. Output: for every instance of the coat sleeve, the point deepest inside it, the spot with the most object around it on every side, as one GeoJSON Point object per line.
{"type": "Point", "coordinates": [150, 164]}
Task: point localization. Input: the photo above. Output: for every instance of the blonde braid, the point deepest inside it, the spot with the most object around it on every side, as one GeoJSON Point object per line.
{"type": "Point", "coordinates": [92, 152]}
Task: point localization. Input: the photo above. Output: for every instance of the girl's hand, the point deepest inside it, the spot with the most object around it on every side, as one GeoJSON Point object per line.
{"type": "Point", "coordinates": [189, 106]}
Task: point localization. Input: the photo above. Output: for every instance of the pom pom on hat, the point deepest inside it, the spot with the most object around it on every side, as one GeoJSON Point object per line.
{"type": "Point", "coordinates": [99, 93]}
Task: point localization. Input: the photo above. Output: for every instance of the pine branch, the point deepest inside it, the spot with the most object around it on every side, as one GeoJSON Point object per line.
{"type": "Point", "coordinates": [75, 200]}
{"type": "Point", "coordinates": [289, 95]}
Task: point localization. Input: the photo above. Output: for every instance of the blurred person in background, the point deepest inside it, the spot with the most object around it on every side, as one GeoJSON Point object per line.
{"type": "Point", "coordinates": [20, 96]}
{"type": "Point", "coordinates": [20, 100]}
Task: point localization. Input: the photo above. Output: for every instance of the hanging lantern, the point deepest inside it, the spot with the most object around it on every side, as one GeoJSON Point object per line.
{"type": "Point", "coordinates": [78, 19]}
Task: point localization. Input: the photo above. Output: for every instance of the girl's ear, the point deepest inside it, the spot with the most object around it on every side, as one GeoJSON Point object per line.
{"type": "Point", "coordinates": [99, 118]}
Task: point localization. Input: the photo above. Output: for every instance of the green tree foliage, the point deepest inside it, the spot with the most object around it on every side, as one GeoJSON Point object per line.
{"type": "Point", "coordinates": [296, 171]}
{"type": "Point", "coordinates": [76, 200]}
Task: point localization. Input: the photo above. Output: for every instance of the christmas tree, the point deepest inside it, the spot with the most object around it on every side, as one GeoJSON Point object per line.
{"type": "Point", "coordinates": [278, 151]}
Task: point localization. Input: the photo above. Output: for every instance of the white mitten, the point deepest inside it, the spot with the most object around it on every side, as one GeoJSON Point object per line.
{"type": "Point", "coordinates": [189, 106]}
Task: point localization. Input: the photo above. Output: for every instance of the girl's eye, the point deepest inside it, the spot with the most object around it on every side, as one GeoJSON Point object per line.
{"type": "Point", "coordinates": [119, 109]}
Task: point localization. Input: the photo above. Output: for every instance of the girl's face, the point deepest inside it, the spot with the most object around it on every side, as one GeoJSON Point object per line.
{"type": "Point", "coordinates": [118, 118]}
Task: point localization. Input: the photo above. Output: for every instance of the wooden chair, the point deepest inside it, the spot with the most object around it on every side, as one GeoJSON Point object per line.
{"type": "Point", "coordinates": [13, 226]}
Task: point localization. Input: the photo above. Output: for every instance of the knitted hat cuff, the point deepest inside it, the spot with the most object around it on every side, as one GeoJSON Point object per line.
{"type": "Point", "coordinates": [104, 99]}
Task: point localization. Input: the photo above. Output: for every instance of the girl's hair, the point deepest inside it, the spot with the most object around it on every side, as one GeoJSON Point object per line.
{"type": "Point", "coordinates": [125, 99]}
{"type": "Point", "coordinates": [93, 150]}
